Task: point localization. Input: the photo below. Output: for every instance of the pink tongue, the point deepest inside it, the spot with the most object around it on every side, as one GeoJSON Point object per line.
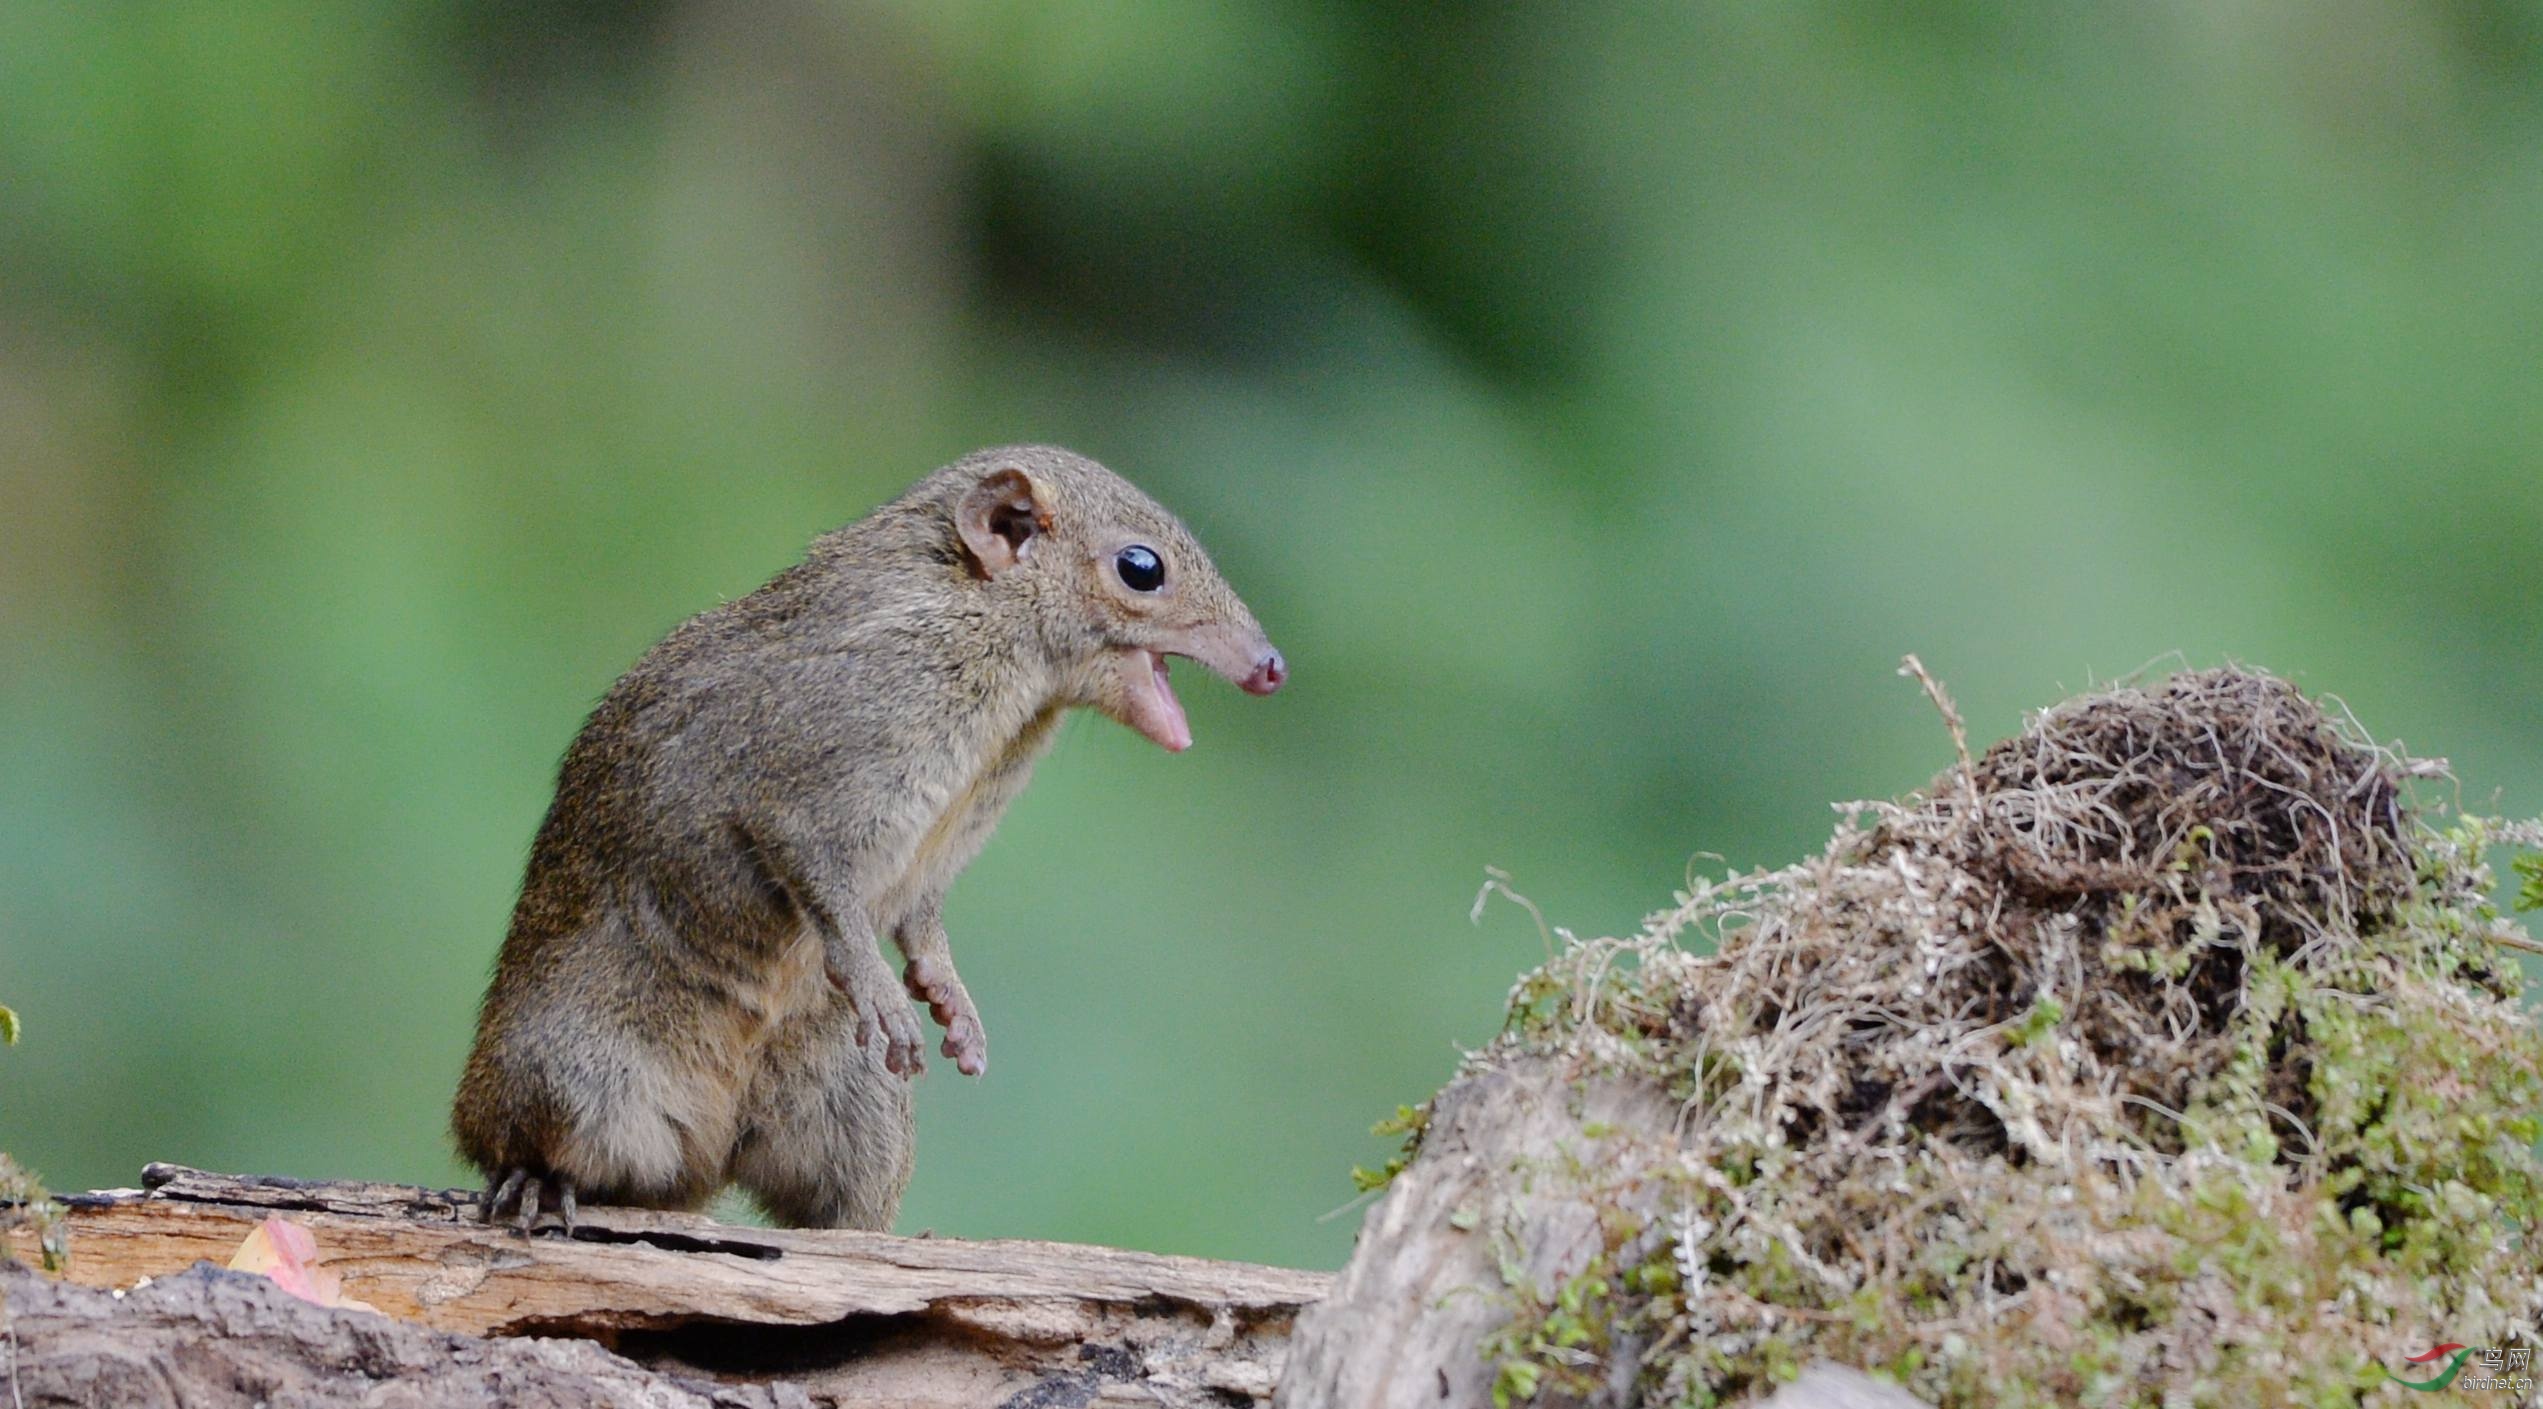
{"type": "Point", "coordinates": [1153, 709]}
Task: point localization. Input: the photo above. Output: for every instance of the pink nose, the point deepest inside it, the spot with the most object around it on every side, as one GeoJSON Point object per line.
{"type": "Point", "coordinates": [1268, 673]}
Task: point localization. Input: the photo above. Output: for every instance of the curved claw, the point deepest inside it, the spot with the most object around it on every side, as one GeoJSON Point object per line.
{"type": "Point", "coordinates": [501, 1195]}
{"type": "Point", "coordinates": [521, 1190]}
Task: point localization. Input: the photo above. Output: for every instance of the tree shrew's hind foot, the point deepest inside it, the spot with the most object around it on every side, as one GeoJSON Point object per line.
{"type": "Point", "coordinates": [520, 1187]}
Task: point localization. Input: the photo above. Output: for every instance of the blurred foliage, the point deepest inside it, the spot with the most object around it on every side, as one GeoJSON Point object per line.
{"type": "Point", "coordinates": [26, 1208]}
{"type": "Point", "coordinates": [1594, 400]}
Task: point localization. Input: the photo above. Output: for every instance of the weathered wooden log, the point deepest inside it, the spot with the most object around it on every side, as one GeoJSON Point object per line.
{"type": "Point", "coordinates": [206, 1338]}
{"type": "Point", "coordinates": [847, 1318]}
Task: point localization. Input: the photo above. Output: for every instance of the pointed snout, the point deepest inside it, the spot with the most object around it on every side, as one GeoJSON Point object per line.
{"type": "Point", "coordinates": [1237, 652]}
{"type": "Point", "coordinates": [1268, 673]}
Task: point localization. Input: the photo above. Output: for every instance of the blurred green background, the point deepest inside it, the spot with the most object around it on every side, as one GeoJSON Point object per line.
{"type": "Point", "coordinates": [1595, 401]}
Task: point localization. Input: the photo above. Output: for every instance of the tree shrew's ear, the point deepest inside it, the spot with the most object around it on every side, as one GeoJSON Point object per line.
{"type": "Point", "coordinates": [999, 518]}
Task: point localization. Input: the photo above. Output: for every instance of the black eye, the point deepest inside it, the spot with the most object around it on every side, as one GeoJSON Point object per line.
{"type": "Point", "coordinates": [1140, 568]}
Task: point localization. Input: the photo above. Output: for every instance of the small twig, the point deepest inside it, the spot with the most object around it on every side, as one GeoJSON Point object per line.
{"type": "Point", "coordinates": [2515, 941]}
{"type": "Point", "coordinates": [1914, 669]}
{"type": "Point", "coordinates": [1497, 882]}
{"type": "Point", "coordinates": [1355, 1201]}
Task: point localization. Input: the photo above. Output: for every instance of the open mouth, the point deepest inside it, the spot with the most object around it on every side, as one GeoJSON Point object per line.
{"type": "Point", "coordinates": [1148, 702]}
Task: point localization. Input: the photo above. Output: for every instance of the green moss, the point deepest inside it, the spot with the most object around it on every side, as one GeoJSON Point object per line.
{"type": "Point", "coordinates": [2037, 1023]}
{"type": "Point", "coordinates": [1409, 1122]}
{"type": "Point", "coordinates": [1562, 1341]}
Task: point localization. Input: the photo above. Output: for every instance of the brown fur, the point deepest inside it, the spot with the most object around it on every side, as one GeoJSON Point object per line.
{"type": "Point", "coordinates": [780, 783]}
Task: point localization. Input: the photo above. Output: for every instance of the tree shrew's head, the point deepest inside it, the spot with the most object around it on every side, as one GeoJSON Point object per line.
{"type": "Point", "coordinates": [1117, 583]}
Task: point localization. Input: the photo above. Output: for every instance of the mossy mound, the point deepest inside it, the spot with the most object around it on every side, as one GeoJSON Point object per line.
{"type": "Point", "coordinates": [2163, 1055]}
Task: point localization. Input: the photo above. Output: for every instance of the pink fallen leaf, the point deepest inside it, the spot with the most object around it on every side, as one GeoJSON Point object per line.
{"type": "Point", "coordinates": [287, 1253]}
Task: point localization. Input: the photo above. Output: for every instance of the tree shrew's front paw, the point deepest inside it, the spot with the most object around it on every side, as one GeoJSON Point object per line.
{"type": "Point", "coordinates": [883, 1014]}
{"type": "Point", "coordinates": [932, 981]}
{"type": "Point", "coordinates": [904, 1041]}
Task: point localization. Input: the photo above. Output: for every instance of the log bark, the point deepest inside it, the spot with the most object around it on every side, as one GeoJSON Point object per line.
{"type": "Point", "coordinates": [833, 1317]}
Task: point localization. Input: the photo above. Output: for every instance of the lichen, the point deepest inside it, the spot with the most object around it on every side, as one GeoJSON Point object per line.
{"type": "Point", "coordinates": [2165, 1054]}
